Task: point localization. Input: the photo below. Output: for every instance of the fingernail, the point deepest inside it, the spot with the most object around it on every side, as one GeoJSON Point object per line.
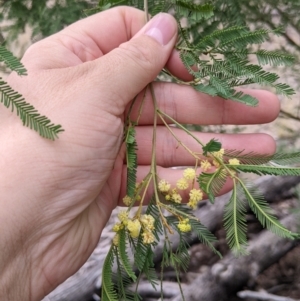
{"type": "Point", "coordinates": [161, 28]}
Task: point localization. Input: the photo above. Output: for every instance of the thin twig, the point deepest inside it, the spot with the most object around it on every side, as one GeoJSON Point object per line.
{"type": "Point", "coordinates": [262, 296]}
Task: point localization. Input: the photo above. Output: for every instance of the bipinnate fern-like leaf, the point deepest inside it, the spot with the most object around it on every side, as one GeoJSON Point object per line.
{"type": "Point", "coordinates": [275, 58]}
{"type": "Point", "coordinates": [268, 170]}
{"type": "Point", "coordinates": [11, 61]}
{"type": "Point", "coordinates": [235, 222]}
{"type": "Point", "coordinates": [143, 260]}
{"type": "Point", "coordinates": [127, 265]}
{"type": "Point", "coordinates": [108, 291]}
{"type": "Point", "coordinates": [200, 11]}
{"type": "Point", "coordinates": [152, 210]}
{"type": "Point", "coordinates": [252, 158]}
{"type": "Point", "coordinates": [131, 160]}
{"type": "Point", "coordinates": [263, 212]}
{"type": "Point", "coordinates": [204, 235]}
{"type": "Point", "coordinates": [28, 114]}
{"type": "Point", "coordinates": [286, 159]}
{"type": "Point", "coordinates": [212, 183]}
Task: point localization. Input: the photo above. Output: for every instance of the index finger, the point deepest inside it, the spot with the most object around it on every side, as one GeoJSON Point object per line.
{"type": "Point", "coordinates": [91, 38]}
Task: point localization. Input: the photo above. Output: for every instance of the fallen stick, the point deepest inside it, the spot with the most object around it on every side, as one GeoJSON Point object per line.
{"type": "Point", "coordinates": [262, 295]}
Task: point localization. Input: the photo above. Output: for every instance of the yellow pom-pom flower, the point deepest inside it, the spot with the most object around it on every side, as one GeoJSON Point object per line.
{"type": "Point", "coordinates": [196, 195]}
{"type": "Point", "coordinates": [184, 225]}
{"type": "Point", "coordinates": [117, 227]}
{"type": "Point", "coordinates": [192, 204]}
{"type": "Point", "coordinates": [116, 239]}
{"type": "Point", "coordinates": [219, 154]}
{"type": "Point", "coordinates": [216, 163]}
{"type": "Point", "coordinates": [123, 216]}
{"type": "Point", "coordinates": [182, 184]}
{"type": "Point", "coordinates": [168, 197]}
{"type": "Point", "coordinates": [189, 174]}
{"type": "Point", "coordinates": [205, 165]}
{"type": "Point", "coordinates": [148, 237]}
{"type": "Point", "coordinates": [127, 200]}
{"type": "Point", "coordinates": [164, 186]}
{"type": "Point", "coordinates": [147, 221]}
{"type": "Point", "coordinates": [176, 197]}
{"type": "Point", "coordinates": [134, 228]}
{"type": "Point", "coordinates": [234, 161]}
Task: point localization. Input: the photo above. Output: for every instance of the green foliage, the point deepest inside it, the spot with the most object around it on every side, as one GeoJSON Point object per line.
{"type": "Point", "coordinates": [44, 18]}
{"type": "Point", "coordinates": [124, 256]}
{"type": "Point", "coordinates": [212, 146]}
{"type": "Point", "coordinates": [263, 212]}
{"type": "Point", "coordinates": [235, 223]}
{"type": "Point", "coordinates": [131, 160]}
{"type": "Point", "coordinates": [108, 291]}
{"type": "Point", "coordinates": [13, 100]}
{"type": "Point", "coordinates": [11, 61]}
{"type": "Point", "coordinates": [212, 183]}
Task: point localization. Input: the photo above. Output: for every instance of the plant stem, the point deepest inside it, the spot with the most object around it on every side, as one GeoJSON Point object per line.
{"type": "Point", "coordinates": [180, 126]}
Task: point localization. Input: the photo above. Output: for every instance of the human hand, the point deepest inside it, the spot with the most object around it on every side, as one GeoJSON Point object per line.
{"type": "Point", "coordinates": [56, 197]}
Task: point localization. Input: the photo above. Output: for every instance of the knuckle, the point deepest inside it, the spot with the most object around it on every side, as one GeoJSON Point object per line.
{"type": "Point", "coordinates": [140, 54]}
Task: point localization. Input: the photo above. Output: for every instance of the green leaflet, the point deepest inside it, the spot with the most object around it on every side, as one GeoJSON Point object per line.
{"type": "Point", "coordinates": [204, 235]}
{"type": "Point", "coordinates": [131, 160]}
{"type": "Point", "coordinates": [195, 12]}
{"type": "Point", "coordinates": [212, 183]}
{"type": "Point", "coordinates": [235, 222]}
{"type": "Point", "coordinates": [123, 254]}
{"type": "Point", "coordinates": [262, 211]}
{"type": "Point", "coordinates": [286, 159]}
{"type": "Point", "coordinates": [143, 259]}
{"type": "Point", "coordinates": [212, 146]}
{"type": "Point", "coordinates": [123, 281]}
{"type": "Point", "coordinates": [153, 210]}
{"type": "Point", "coordinates": [27, 113]}
{"type": "Point", "coordinates": [11, 61]}
{"type": "Point", "coordinates": [268, 170]}
{"type": "Point", "coordinates": [108, 291]}
{"type": "Point", "coordinates": [275, 58]}
{"type": "Point", "coordinates": [251, 158]}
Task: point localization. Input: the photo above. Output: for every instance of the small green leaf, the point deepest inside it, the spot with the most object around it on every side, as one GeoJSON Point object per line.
{"type": "Point", "coordinates": [212, 146]}
{"type": "Point", "coordinates": [123, 255]}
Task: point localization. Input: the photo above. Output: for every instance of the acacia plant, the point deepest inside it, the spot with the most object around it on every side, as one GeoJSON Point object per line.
{"type": "Point", "coordinates": [218, 55]}
{"type": "Point", "coordinates": [13, 100]}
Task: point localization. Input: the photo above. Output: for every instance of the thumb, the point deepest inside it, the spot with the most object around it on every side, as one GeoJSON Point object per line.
{"type": "Point", "coordinates": [134, 64]}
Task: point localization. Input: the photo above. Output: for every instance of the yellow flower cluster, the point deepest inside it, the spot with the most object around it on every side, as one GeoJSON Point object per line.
{"type": "Point", "coordinates": [196, 195]}
{"type": "Point", "coordinates": [147, 221]}
{"type": "Point", "coordinates": [184, 225]}
{"type": "Point", "coordinates": [127, 200]}
{"type": "Point", "coordinates": [134, 226]}
{"type": "Point", "coordinates": [164, 186]}
{"type": "Point", "coordinates": [123, 216]}
{"type": "Point", "coordinates": [182, 184]}
{"type": "Point", "coordinates": [218, 156]}
{"type": "Point", "coordinates": [116, 239]}
{"type": "Point", "coordinates": [189, 174]}
{"type": "Point", "coordinates": [205, 165]}
{"type": "Point", "coordinates": [234, 161]}
{"type": "Point", "coordinates": [148, 237]}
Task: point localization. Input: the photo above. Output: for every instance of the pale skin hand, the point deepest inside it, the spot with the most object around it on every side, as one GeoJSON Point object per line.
{"type": "Point", "coordinates": [56, 197]}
